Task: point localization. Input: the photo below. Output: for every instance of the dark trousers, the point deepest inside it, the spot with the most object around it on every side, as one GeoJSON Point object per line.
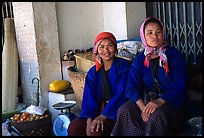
{"type": "Point", "coordinates": [78, 128]}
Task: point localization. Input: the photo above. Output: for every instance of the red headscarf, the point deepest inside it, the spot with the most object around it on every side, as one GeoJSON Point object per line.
{"type": "Point", "coordinates": [99, 38]}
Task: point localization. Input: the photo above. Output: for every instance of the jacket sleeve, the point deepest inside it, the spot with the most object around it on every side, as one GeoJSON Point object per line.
{"type": "Point", "coordinates": [90, 100]}
{"type": "Point", "coordinates": [134, 88]}
{"type": "Point", "coordinates": [176, 93]}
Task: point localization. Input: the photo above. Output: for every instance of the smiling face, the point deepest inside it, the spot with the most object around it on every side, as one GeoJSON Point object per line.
{"type": "Point", "coordinates": [106, 50]}
{"type": "Point", "coordinates": [153, 34]}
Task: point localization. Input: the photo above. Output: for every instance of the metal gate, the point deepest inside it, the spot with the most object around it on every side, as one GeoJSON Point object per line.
{"type": "Point", "coordinates": [183, 27]}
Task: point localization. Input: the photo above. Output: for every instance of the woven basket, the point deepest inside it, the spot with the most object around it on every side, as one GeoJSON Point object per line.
{"type": "Point", "coordinates": [41, 127]}
{"type": "Point", "coordinates": [84, 61]}
{"type": "Point", "coordinates": [77, 83]}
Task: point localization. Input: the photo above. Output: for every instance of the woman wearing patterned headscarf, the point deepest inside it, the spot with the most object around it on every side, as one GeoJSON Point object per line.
{"type": "Point", "coordinates": [104, 90]}
{"type": "Point", "coordinates": [156, 87]}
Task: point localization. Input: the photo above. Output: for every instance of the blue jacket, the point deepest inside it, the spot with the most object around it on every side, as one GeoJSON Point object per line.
{"type": "Point", "coordinates": [173, 84]}
{"type": "Point", "coordinates": [118, 77]}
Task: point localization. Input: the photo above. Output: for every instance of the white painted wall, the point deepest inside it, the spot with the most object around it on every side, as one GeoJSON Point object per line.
{"type": "Point", "coordinates": [80, 22]}
{"type": "Point", "coordinates": [136, 13]}
{"type": "Point", "coordinates": [115, 19]}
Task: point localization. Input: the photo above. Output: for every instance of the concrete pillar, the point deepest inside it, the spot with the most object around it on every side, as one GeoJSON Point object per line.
{"type": "Point", "coordinates": [38, 46]}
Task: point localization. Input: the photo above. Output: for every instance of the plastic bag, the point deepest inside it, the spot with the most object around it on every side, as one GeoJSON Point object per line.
{"type": "Point", "coordinates": [5, 129]}
{"type": "Point", "coordinates": [130, 49]}
{"type": "Point", "coordinates": [39, 110]}
{"type": "Point", "coordinates": [195, 124]}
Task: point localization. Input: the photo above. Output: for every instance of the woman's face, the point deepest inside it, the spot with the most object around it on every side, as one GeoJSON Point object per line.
{"type": "Point", "coordinates": [106, 50]}
{"type": "Point", "coordinates": [153, 34]}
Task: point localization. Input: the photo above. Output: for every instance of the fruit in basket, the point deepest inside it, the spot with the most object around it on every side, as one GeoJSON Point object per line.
{"type": "Point", "coordinates": [26, 117]}
{"type": "Point", "coordinates": [34, 125]}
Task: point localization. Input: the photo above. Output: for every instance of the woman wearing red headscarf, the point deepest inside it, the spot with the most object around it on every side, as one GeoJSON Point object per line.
{"type": "Point", "coordinates": [104, 90]}
{"type": "Point", "coordinates": [156, 87]}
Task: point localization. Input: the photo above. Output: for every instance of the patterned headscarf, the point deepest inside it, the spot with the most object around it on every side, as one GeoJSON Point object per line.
{"type": "Point", "coordinates": [160, 49]}
{"type": "Point", "coordinates": [99, 38]}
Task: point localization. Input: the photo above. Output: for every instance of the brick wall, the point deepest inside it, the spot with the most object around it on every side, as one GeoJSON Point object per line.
{"type": "Point", "coordinates": [38, 47]}
{"type": "Point", "coordinates": [28, 64]}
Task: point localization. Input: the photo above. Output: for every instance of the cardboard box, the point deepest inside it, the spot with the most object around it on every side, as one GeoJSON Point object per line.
{"type": "Point", "coordinates": [84, 61]}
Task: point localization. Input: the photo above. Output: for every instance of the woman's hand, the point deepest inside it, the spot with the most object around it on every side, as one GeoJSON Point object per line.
{"type": "Point", "coordinates": [98, 123]}
{"type": "Point", "coordinates": [141, 105]}
{"type": "Point", "coordinates": [144, 116]}
{"type": "Point", "coordinates": [150, 107]}
{"type": "Point", "coordinates": [148, 110]}
{"type": "Point", "coordinates": [153, 105]}
{"type": "Point", "coordinates": [88, 126]}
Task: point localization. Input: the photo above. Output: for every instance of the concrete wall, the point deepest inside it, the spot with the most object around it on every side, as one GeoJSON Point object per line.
{"type": "Point", "coordinates": [136, 13]}
{"type": "Point", "coordinates": [80, 22]}
{"type": "Point", "coordinates": [114, 14]}
{"type": "Point", "coordinates": [28, 62]}
{"type": "Point", "coordinates": [38, 46]}
{"type": "Point", "coordinates": [47, 45]}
